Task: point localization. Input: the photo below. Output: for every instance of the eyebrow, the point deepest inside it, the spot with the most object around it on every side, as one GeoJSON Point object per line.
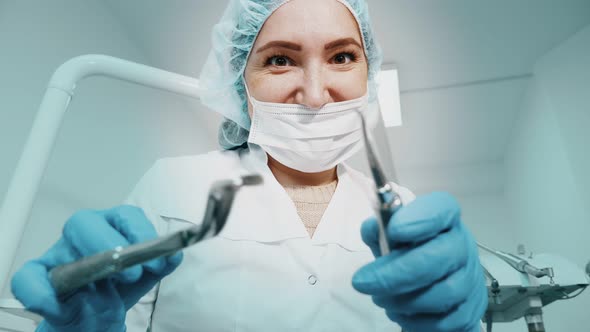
{"type": "Point", "coordinates": [279, 43]}
{"type": "Point", "coordinates": [341, 42]}
{"type": "Point", "coordinates": [295, 47]}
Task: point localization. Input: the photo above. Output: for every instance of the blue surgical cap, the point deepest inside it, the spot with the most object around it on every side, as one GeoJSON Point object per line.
{"type": "Point", "coordinates": [233, 38]}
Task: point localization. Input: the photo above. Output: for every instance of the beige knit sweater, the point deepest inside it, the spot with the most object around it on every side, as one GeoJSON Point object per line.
{"type": "Point", "coordinates": [311, 202]}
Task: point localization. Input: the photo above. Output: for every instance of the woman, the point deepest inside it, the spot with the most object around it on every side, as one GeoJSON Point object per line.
{"type": "Point", "coordinates": [287, 75]}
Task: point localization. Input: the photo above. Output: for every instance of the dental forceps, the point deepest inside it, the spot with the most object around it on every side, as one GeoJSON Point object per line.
{"type": "Point", "coordinates": [388, 200]}
{"type": "Point", "coordinates": [67, 278]}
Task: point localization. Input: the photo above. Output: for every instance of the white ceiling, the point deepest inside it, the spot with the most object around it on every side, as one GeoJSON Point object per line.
{"type": "Point", "coordinates": [463, 64]}
{"type": "Point", "coordinates": [444, 42]}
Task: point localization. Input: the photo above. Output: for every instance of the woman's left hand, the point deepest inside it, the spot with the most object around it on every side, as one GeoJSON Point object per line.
{"type": "Point", "coordinates": [432, 279]}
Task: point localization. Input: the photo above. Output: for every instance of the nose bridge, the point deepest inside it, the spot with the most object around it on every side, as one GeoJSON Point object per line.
{"type": "Point", "coordinates": [315, 90]}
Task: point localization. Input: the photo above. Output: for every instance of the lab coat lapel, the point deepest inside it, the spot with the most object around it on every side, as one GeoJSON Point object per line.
{"type": "Point", "coordinates": [342, 220]}
{"type": "Point", "coordinates": [262, 213]}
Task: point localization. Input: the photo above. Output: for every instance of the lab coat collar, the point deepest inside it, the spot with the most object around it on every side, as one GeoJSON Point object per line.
{"type": "Point", "coordinates": [341, 221]}
{"type": "Point", "coordinates": [349, 208]}
{"type": "Point", "coordinates": [265, 213]}
{"type": "Point", "coordinates": [262, 213]}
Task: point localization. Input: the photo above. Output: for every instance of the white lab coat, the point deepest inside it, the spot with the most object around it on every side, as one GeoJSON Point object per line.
{"type": "Point", "coordinates": [263, 272]}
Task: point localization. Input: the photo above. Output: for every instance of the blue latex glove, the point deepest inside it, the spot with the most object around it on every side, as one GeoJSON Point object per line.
{"type": "Point", "coordinates": [432, 280]}
{"type": "Point", "coordinates": [100, 306]}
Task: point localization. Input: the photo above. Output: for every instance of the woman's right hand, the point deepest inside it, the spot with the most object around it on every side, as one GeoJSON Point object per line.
{"type": "Point", "coordinates": [100, 306]}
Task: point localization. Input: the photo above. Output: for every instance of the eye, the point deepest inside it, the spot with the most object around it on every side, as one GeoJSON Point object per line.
{"type": "Point", "coordinates": [344, 58]}
{"type": "Point", "coordinates": [279, 61]}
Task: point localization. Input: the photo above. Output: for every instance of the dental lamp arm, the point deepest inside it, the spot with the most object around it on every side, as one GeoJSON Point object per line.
{"type": "Point", "coordinates": [16, 207]}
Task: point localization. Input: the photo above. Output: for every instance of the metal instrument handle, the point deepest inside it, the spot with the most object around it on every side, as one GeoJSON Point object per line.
{"type": "Point", "coordinates": [67, 278]}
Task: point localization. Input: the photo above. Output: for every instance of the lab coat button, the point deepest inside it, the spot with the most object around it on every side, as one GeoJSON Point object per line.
{"type": "Point", "coordinates": [312, 280]}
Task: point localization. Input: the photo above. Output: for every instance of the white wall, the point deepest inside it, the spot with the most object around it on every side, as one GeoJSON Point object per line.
{"type": "Point", "coordinates": [546, 167]}
{"type": "Point", "coordinates": [113, 131]}
{"type": "Point", "coordinates": [479, 188]}
{"type": "Point", "coordinates": [538, 194]}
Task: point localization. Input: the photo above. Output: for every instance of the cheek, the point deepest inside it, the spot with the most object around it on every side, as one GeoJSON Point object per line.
{"type": "Point", "coordinates": [274, 88]}
{"type": "Point", "coordinates": [350, 84]}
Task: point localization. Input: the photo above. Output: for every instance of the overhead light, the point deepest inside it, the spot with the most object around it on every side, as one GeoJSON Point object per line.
{"type": "Point", "coordinates": [388, 94]}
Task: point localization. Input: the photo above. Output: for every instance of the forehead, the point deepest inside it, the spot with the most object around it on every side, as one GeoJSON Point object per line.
{"type": "Point", "coordinates": [309, 22]}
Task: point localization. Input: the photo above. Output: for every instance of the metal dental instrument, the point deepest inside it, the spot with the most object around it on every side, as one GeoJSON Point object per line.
{"type": "Point", "coordinates": [388, 200]}
{"type": "Point", "coordinates": [66, 278]}
{"type": "Point", "coordinates": [520, 264]}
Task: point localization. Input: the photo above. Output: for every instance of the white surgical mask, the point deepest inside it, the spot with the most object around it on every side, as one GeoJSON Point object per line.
{"type": "Point", "coordinates": [311, 140]}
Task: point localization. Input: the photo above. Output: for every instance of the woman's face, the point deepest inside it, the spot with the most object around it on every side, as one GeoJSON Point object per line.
{"type": "Point", "coordinates": [308, 52]}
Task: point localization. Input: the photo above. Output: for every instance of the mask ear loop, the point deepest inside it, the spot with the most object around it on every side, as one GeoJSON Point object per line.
{"type": "Point", "coordinates": [246, 87]}
{"type": "Point", "coordinates": [251, 99]}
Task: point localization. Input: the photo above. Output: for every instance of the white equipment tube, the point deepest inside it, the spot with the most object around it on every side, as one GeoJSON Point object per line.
{"type": "Point", "coordinates": [16, 208]}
